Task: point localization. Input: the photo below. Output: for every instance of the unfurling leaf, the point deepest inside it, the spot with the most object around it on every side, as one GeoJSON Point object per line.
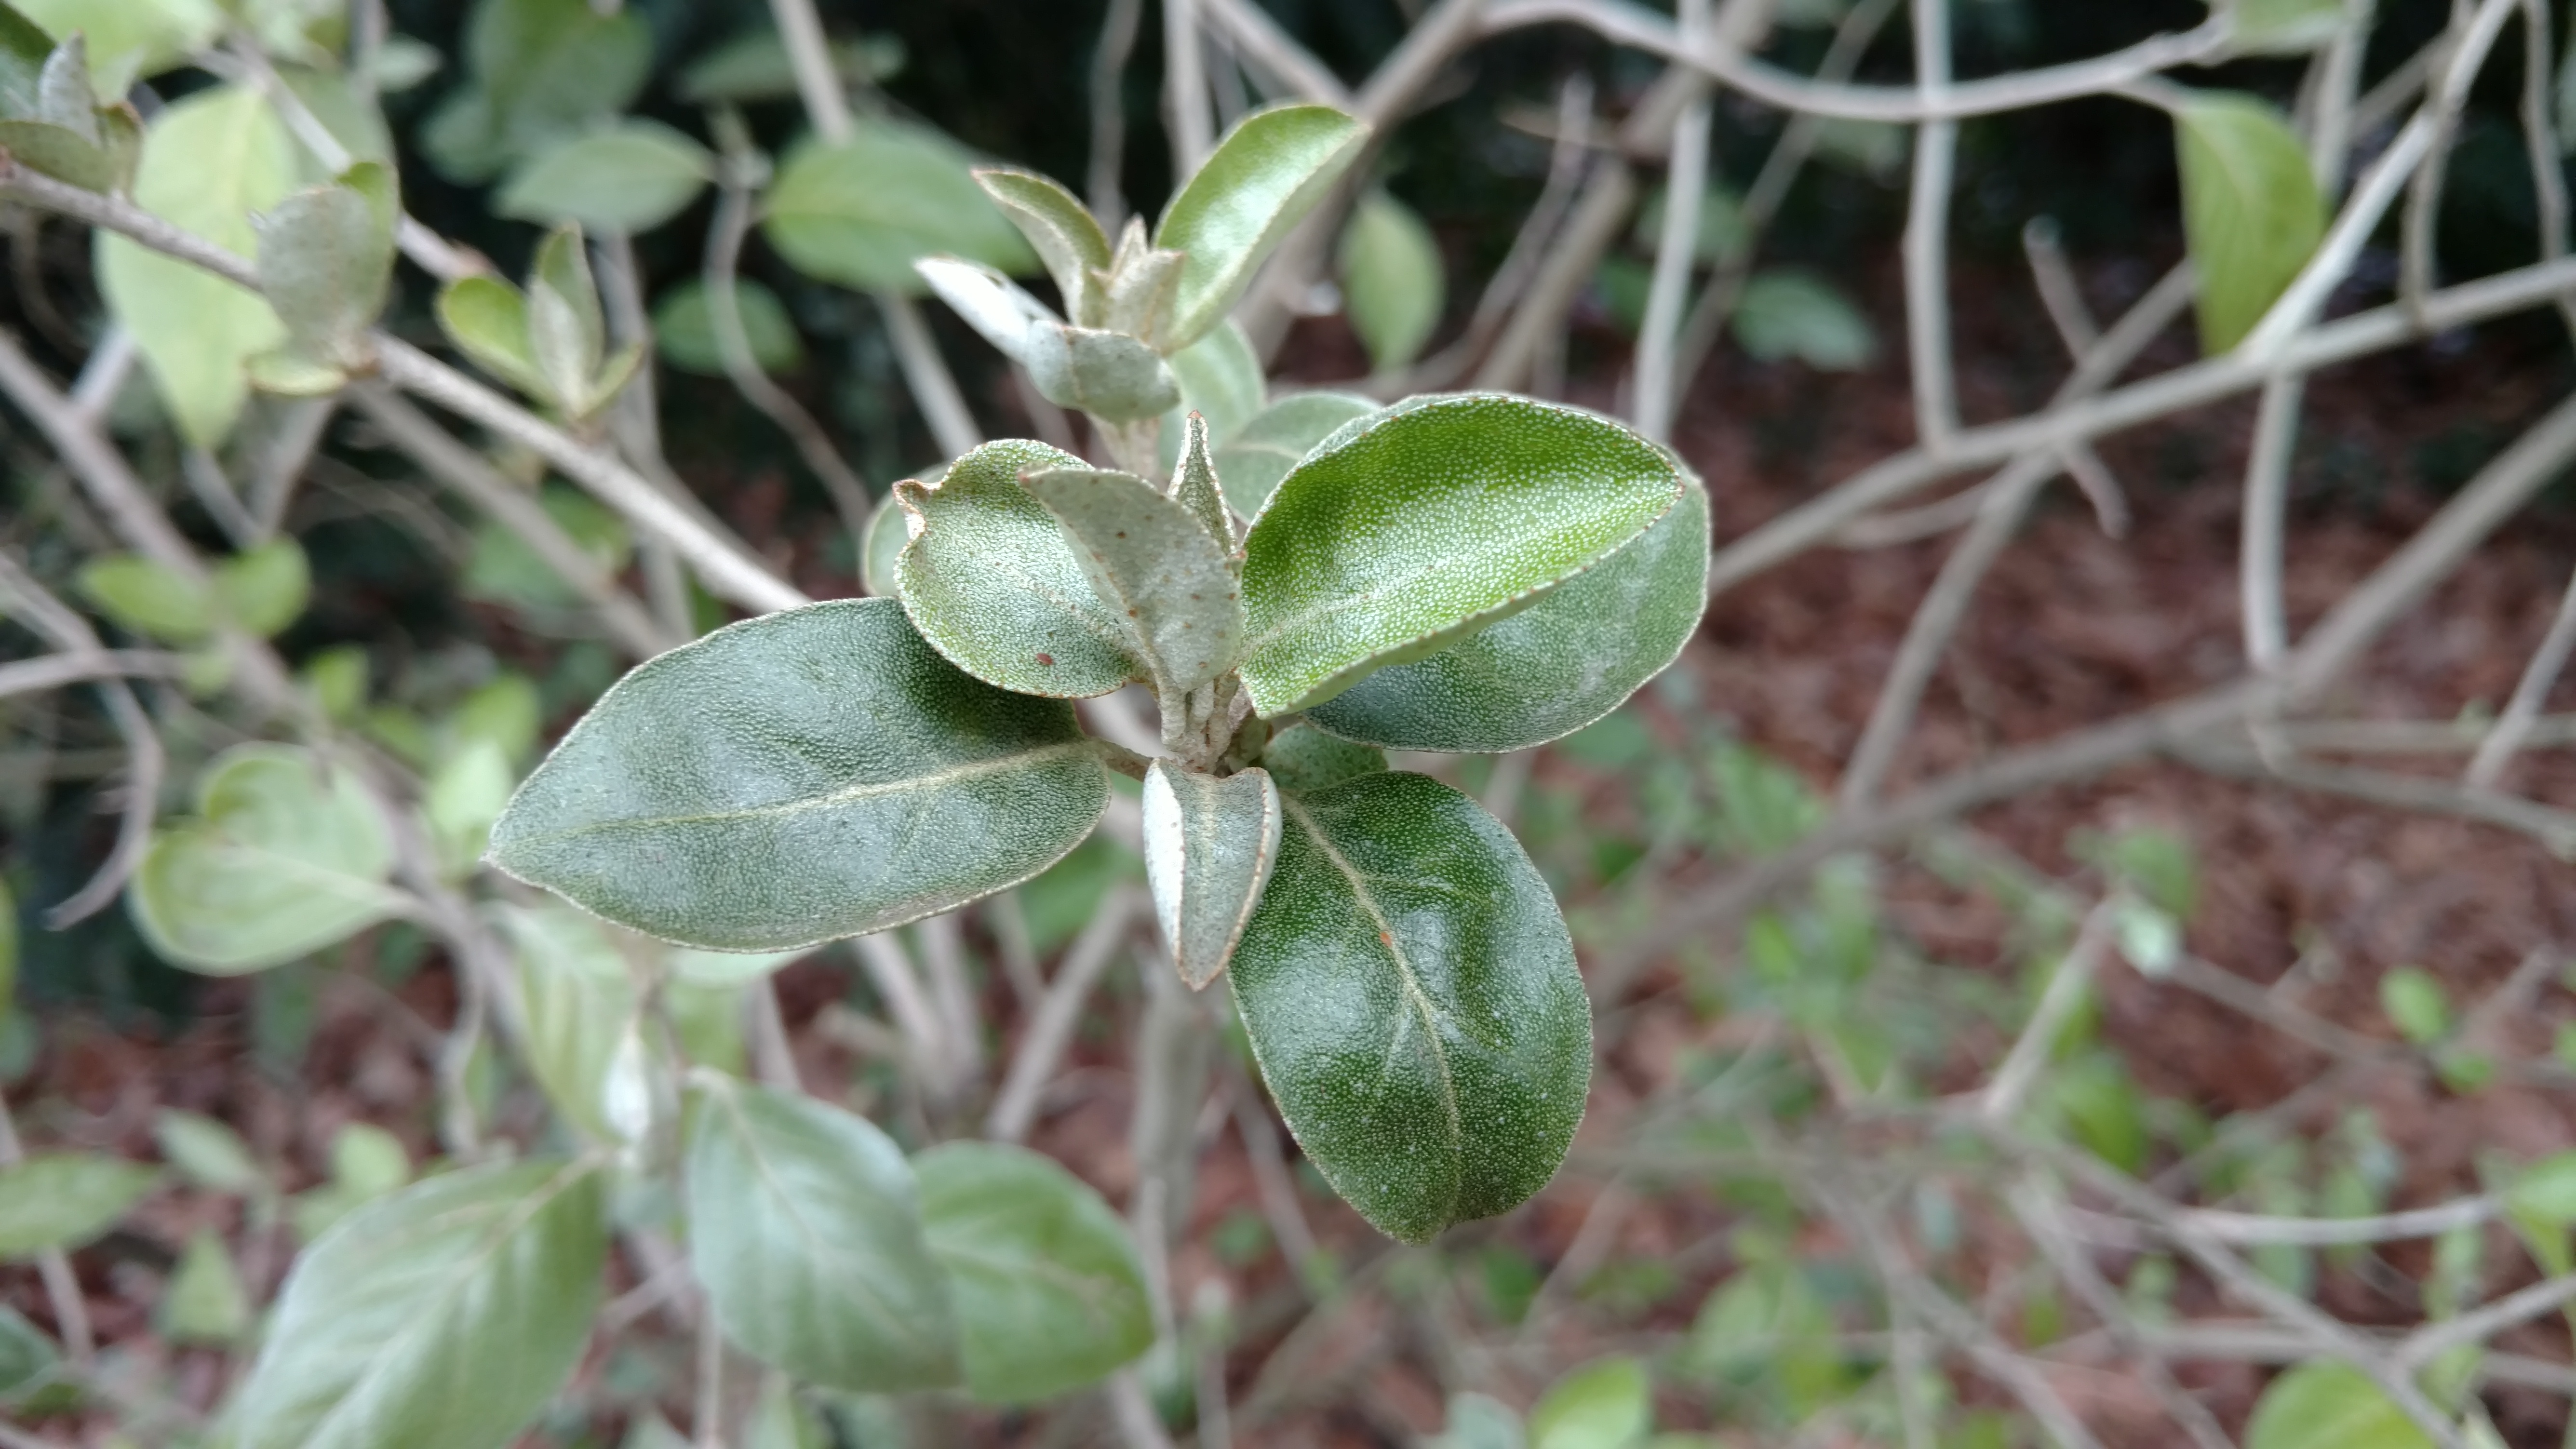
{"type": "Point", "coordinates": [805, 1228]}
{"type": "Point", "coordinates": [209, 162]}
{"type": "Point", "coordinates": [441, 1317]}
{"type": "Point", "coordinates": [487, 319]}
{"type": "Point", "coordinates": [809, 774]}
{"type": "Point", "coordinates": [1209, 847]}
{"type": "Point", "coordinates": [326, 258]}
{"type": "Point", "coordinates": [1049, 1293]}
{"type": "Point", "coordinates": [567, 334]}
{"type": "Point", "coordinates": [1263, 177]}
{"type": "Point", "coordinates": [1410, 994]}
{"type": "Point", "coordinates": [65, 1200]}
{"type": "Point", "coordinates": [1552, 668]}
{"type": "Point", "coordinates": [1407, 531]}
{"type": "Point", "coordinates": [1110, 375]}
{"type": "Point", "coordinates": [1268, 446]}
{"type": "Point", "coordinates": [995, 585]}
{"type": "Point", "coordinates": [1152, 562]}
{"type": "Point", "coordinates": [1393, 280]}
{"type": "Point", "coordinates": [629, 178]}
{"type": "Point", "coordinates": [1068, 239]}
{"type": "Point", "coordinates": [889, 529]}
{"type": "Point", "coordinates": [1196, 487]}
{"type": "Point", "coordinates": [862, 212]}
{"type": "Point", "coordinates": [287, 855]}
{"type": "Point", "coordinates": [2251, 210]}
{"type": "Point", "coordinates": [51, 119]}
{"type": "Point", "coordinates": [1304, 759]}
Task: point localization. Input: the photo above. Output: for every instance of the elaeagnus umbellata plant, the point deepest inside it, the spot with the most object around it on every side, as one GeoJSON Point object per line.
{"type": "Point", "coordinates": [1303, 585]}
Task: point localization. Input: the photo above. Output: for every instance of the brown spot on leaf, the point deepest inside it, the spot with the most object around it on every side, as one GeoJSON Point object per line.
{"type": "Point", "coordinates": [1047, 659]}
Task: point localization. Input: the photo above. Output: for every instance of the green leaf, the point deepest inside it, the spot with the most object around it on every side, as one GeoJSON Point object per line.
{"type": "Point", "coordinates": [24, 49]}
{"type": "Point", "coordinates": [442, 1317]}
{"type": "Point", "coordinates": [205, 1301]}
{"type": "Point", "coordinates": [798, 777]}
{"type": "Point", "coordinates": [1221, 380]}
{"type": "Point", "coordinates": [129, 40]}
{"type": "Point", "coordinates": [991, 581]}
{"type": "Point", "coordinates": [888, 532]}
{"type": "Point", "coordinates": [1050, 1295]}
{"type": "Point", "coordinates": [209, 161]}
{"type": "Point", "coordinates": [1196, 487]}
{"type": "Point", "coordinates": [464, 796]}
{"type": "Point", "coordinates": [208, 1153]}
{"type": "Point", "coordinates": [1152, 562]}
{"type": "Point", "coordinates": [1605, 1404]}
{"type": "Point", "coordinates": [326, 258]}
{"type": "Point", "coordinates": [629, 178]}
{"type": "Point", "coordinates": [2329, 1405]}
{"type": "Point", "coordinates": [51, 120]}
{"type": "Point", "coordinates": [805, 1229]}
{"type": "Point", "coordinates": [1408, 530]}
{"type": "Point", "coordinates": [27, 1357]}
{"type": "Point", "coordinates": [1304, 759]}
{"type": "Point", "coordinates": [1265, 174]}
{"type": "Point", "coordinates": [487, 319]}
{"type": "Point", "coordinates": [1477, 1421]}
{"type": "Point", "coordinates": [2416, 1004]}
{"type": "Point", "coordinates": [65, 1200]}
{"type": "Point", "coordinates": [1550, 669]}
{"type": "Point", "coordinates": [286, 855]}
{"type": "Point", "coordinates": [1268, 446]}
{"type": "Point", "coordinates": [144, 597]}
{"type": "Point", "coordinates": [684, 328]}
{"type": "Point", "coordinates": [265, 589]}
{"type": "Point", "coordinates": [1792, 314]}
{"type": "Point", "coordinates": [2285, 27]}
{"type": "Point", "coordinates": [2251, 212]}
{"type": "Point", "coordinates": [1393, 280]}
{"type": "Point", "coordinates": [538, 70]}
{"type": "Point", "coordinates": [1209, 847]}
{"type": "Point", "coordinates": [1107, 374]}
{"type": "Point", "coordinates": [1411, 996]}
{"type": "Point", "coordinates": [567, 334]}
{"type": "Point", "coordinates": [2545, 1193]}
{"type": "Point", "coordinates": [574, 1002]}
{"type": "Point", "coordinates": [754, 66]}
{"type": "Point", "coordinates": [1067, 238]}
{"type": "Point", "coordinates": [861, 213]}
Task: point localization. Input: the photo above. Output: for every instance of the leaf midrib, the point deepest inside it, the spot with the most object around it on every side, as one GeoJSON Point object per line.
{"type": "Point", "coordinates": [453, 1285]}
{"type": "Point", "coordinates": [821, 1249]}
{"type": "Point", "coordinates": [848, 794]}
{"type": "Point", "coordinates": [1414, 994]}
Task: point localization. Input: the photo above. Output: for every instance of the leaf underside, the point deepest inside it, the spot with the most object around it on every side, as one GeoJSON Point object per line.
{"type": "Point", "coordinates": [1209, 847]}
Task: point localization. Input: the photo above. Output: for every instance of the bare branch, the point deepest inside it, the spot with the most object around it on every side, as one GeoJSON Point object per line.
{"type": "Point", "coordinates": [1050, 1027]}
{"type": "Point", "coordinates": [2522, 713]}
{"type": "Point", "coordinates": [1926, 242]}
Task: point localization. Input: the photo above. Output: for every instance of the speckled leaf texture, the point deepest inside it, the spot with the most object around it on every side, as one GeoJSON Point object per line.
{"type": "Point", "coordinates": [1196, 487]}
{"type": "Point", "coordinates": [1149, 559]}
{"type": "Point", "coordinates": [1251, 461]}
{"type": "Point", "coordinates": [1263, 177]}
{"type": "Point", "coordinates": [1210, 844]}
{"type": "Point", "coordinates": [991, 581]}
{"type": "Point", "coordinates": [1411, 997]}
{"type": "Point", "coordinates": [805, 1226]}
{"type": "Point", "coordinates": [802, 776]}
{"type": "Point", "coordinates": [1552, 668]}
{"type": "Point", "coordinates": [1407, 530]}
{"type": "Point", "coordinates": [1304, 759]}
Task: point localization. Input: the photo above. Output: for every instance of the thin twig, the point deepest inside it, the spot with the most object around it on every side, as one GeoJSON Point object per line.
{"type": "Point", "coordinates": [1676, 249]}
{"type": "Point", "coordinates": [926, 373]}
{"type": "Point", "coordinates": [2265, 527]}
{"type": "Point", "coordinates": [1272, 51]}
{"type": "Point", "coordinates": [2440, 117]}
{"type": "Point", "coordinates": [1185, 87]}
{"type": "Point", "coordinates": [2068, 985]}
{"type": "Point", "coordinates": [2513, 728]}
{"type": "Point", "coordinates": [1050, 1028]}
{"type": "Point", "coordinates": [1641, 29]}
{"type": "Point", "coordinates": [80, 666]}
{"type": "Point", "coordinates": [1109, 111]}
{"type": "Point", "coordinates": [54, 1266]}
{"type": "Point", "coordinates": [818, 85]}
{"type": "Point", "coordinates": [1598, 215]}
{"type": "Point", "coordinates": [1925, 245]}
